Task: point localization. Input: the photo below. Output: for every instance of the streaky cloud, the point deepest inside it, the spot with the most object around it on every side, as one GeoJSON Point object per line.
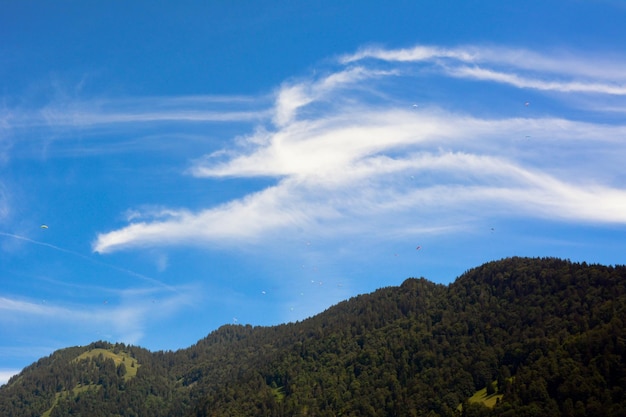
{"type": "Point", "coordinates": [56, 117]}
{"type": "Point", "coordinates": [126, 319]}
{"type": "Point", "coordinates": [350, 154]}
{"type": "Point", "coordinates": [6, 374]}
{"type": "Point", "coordinates": [293, 96]}
{"type": "Point", "coordinates": [415, 54]}
{"type": "Point", "coordinates": [517, 67]}
{"type": "Point", "coordinates": [90, 259]}
{"type": "Point", "coordinates": [99, 113]}
{"type": "Point", "coordinates": [524, 82]}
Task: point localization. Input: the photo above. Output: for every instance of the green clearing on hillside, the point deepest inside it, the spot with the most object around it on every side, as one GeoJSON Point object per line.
{"type": "Point", "coordinates": [75, 391]}
{"type": "Point", "coordinates": [118, 358]}
{"type": "Point", "coordinates": [481, 396]}
{"type": "Point", "coordinates": [122, 357]}
{"type": "Point", "coordinates": [279, 393]}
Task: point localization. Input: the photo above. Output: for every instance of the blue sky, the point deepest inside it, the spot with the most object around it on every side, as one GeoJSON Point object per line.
{"type": "Point", "coordinates": [204, 163]}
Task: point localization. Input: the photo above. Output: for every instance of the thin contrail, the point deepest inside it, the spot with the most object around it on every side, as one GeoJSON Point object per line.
{"type": "Point", "coordinates": [87, 258]}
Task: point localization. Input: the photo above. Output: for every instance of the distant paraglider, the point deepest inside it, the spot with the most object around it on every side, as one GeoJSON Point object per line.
{"type": "Point", "coordinates": [44, 226]}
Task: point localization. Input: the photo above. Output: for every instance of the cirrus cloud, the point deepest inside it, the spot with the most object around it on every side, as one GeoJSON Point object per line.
{"type": "Point", "coordinates": [348, 149]}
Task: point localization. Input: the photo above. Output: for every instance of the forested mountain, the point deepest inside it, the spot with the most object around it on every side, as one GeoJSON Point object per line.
{"type": "Point", "coordinates": [543, 337]}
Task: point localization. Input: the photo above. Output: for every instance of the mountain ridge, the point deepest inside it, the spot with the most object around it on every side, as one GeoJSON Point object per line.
{"type": "Point", "coordinates": [546, 333]}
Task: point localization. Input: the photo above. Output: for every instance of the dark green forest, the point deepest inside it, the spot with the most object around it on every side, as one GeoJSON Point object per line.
{"type": "Point", "coordinates": [543, 336]}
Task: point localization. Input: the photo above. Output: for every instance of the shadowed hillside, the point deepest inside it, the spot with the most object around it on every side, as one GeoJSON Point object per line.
{"type": "Point", "coordinates": [539, 336]}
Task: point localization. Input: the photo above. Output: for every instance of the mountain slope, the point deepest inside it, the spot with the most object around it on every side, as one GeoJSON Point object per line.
{"type": "Point", "coordinates": [547, 334]}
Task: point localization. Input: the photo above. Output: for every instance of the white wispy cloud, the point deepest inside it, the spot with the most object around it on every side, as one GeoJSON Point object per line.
{"type": "Point", "coordinates": [68, 126]}
{"type": "Point", "coordinates": [558, 62]}
{"type": "Point", "coordinates": [123, 319]}
{"type": "Point", "coordinates": [96, 115]}
{"type": "Point", "coordinates": [125, 271]}
{"type": "Point", "coordinates": [77, 118]}
{"type": "Point", "coordinates": [414, 54]}
{"type": "Point", "coordinates": [518, 67]}
{"type": "Point", "coordinates": [6, 374]}
{"type": "Point", "coordinates": [526, 82]}
{"type": "Point", "coordinates": [69, 113]}
{"type": "Point", "coordinates": [388, 166]}
{"type": "Point", "coordinates": [293, 96]}
{"type": "Point", "coordinates": [348, 152]}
